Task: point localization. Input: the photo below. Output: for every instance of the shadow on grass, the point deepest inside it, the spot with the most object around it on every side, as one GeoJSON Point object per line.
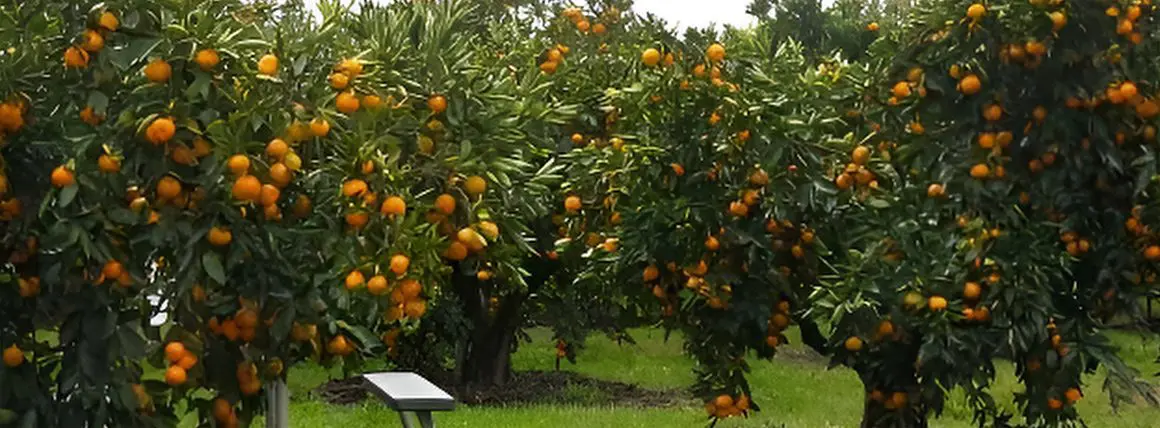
{"type": "Point", "coordinates": [528, 388]}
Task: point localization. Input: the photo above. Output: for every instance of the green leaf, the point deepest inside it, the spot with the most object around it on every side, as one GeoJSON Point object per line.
{"type": "Point", "coordinates": [67, 195]}
{"type": "Point", "coordinates": [213, 267]}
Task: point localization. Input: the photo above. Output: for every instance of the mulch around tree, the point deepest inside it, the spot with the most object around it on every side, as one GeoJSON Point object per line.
{"type": "Point", "coordinates": [529, 387]}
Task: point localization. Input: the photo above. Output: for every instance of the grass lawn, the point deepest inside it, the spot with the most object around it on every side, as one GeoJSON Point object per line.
{"type": "Point", "coordinates": [794, 390]}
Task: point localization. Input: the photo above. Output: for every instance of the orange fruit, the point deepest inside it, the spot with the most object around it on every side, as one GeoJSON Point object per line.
{"type": "Point", "coordinates": [62, 177]}
{"type": "Point", "coordinates": [268, 195]}
{"type": "Point", "coordinates": [456, 251]}
{"type": "Point", "coordinates": [354, 280]}
{"type": "Point", "coordinates": [168, 188]}
{"type": "Point", "coordinates": [357, 220]}
{"type": "Point", "coordinates": [280, 174]}
{"type": "Point", "coordinates": [268, 65]}
{"type": "Point", "coordinates": [1058, 20]}
{"type": "Point", "coordinates": [339, 81]}
{"type": "Point", "coordinates": [972, 290]}
{"type": "Point", "coordinates": [394, 205]}
{"type": "Point", "coordinates": [158, 71]}
{"type": "Point", "coordinates": [75, 57]}
{"type": "Point", "coordinates": [247, 188]}
{"type": "Point", "coordinates": [351, 67]}
{"type": "Point", "coordinates": [93, 41]}
{"type": "Point", "coordinates": [201, 147]}
{"type": "Point", "coordinates": [277, 148]}
{"type": "Point", "coordinates": [354, 187]}
{"type": "Point", "coordinates": [377, 285]}
{"type": "Point", "coordinates": [175, 376]}
{"type": "Point", "coordinates": [650, 57]}
{"type": "Point", "coordinates": [475, 185]}
{"type": "Point", "coordinates": [174, 351]}
{"type": "Point", "coordinates": [986, 140]}
{"type": "Point", "coordinates": [239, 164]}
{"type": "Point", "coordinates": [901, 90]}
{"type": "Point", "coordinates": [319, 127]}
{"type": "Point", "coordinates": [415, 308]}
{"type": "Point", "coordinates": [935, 190]}
{"type": "Point", "coordinates": [219, 236]}
{"type": "Point", "coordinates": [399, 264]}
{"type": "Point", "coordinates": [437, 104]}
{"type": "Point", "coordinates": [1054, 403]}
{"type": "Point", "coordinates": [346, 102]}
{"type": "Point", "coordinates": [976, 11]}
{"type": "Point", "coordinates": [651, 273]}
{"type": "Point", "coordinates": [410, 289]}
{"type": "Point", "coordinates": [992, 112]}
{"type": "Point", "coordinates": [372, 101]}
{"type": "Point", "coordinates": [108, 164]}
{"type": "Point", "coordinates": [445, 204]}
{"type": "Point", "coordinates": [206, 59]}
{"type": "Point", "coordinates": [599, 29]}
{"type": "Point", "coordinates": [13, 356]}
{"type": "Point", "coordinates": [549, 67]}
{"type": "Point", "coordinates": [715, 52]}
{"type": "Point", "coordinates": [738, 209]}
{"type": "Point", "coordinates": [860, 155]}
{"type": "Point", "coordinates": [980, 171]}
{"type": "Point", "coordinates": [872, 27]}
{"type": "Point", "coordinates": [222, 410]}
{"type": "Point", "coordinates": [108, 21]}
{"type": "Point", "coordinates": [1152, 253]}
{"type": "Point", "coordinates": [970, 85]}
{"type": "Point", "coordinates": [572, 204]}
{"type": "Point", "coordinates": [112, 269]}
{"type": "Point", "coordinates": [853, 344]}
{"type": "Point", "coordinates": [1072, 395]}
{"type": "Point", "coordinates": [937, 303]}
{"type": "Point", "coordinates": [160, 131]}
{"type": "Point", "coordinates": [489, 229]}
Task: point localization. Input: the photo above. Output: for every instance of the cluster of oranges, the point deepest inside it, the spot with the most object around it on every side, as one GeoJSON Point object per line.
{"type": "Point", "coordinates": [243, 325]}
{"type": "Point", "coordinates": [92, 41]}
{"type": "Point", "coordinates": [553, 58]}
{"type": "Point", "coordinates": [725, 406]}
{"type": "Point", "coordinates": [347, 101]}
{"type": "Point", "coordinates": [224, 413]}
{"type": "Point", "coordinates": [584, 25]}
{"type": "Point", "coordinates": [778, 322]}
{"type": "Point", "coordinates": [856, 171]}
{"type": "Point", "coordinates": [180, 360]}
{"type": "Point", "coordinates": [11, 121]}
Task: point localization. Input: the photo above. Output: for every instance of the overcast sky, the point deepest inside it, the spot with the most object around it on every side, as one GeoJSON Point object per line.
{"type": "Point", "coordinates": [694, 13]}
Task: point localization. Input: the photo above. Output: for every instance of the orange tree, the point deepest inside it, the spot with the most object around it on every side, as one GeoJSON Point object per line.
{"type": "Point", "coordinates": [1012, 141]}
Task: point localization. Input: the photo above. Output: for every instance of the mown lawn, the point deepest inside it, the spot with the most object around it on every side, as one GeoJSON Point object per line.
{"type": "Point", "coordinates": [795, 390]}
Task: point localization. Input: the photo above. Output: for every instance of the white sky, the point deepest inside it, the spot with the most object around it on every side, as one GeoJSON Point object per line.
{"type": "Point", "coordinates": [694, 13]}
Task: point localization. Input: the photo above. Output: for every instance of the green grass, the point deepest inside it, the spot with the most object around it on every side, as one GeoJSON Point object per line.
{"type": "Point", "coordinates": [794, 391]}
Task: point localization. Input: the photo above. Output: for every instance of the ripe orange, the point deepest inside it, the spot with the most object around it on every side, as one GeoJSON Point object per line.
{"type": "Point", "coordinates": [75, 57]}
{"type": "Point", "coordinates": [268, 195]}
{"type": "Point", "coordinates": [174, 351]}
{"type": "Point", "coordinates": [339, 81]}
{"type": "Point", "coordinates": [1072, 395]}
{"type": "Point", "coordinates": [650, 57]}
{"type": "Point", "coordinates": [970, 85]}
{"type": "Point", "coordinates": [976, 11]}
{"type": "Point", "coordinates": [247, 188]}
{"type": "Point", "coordinates": [872, 27]}
{"type": "Point", "coordinates": [1058, 20]}
{"type": "Point", "coordinates": [219, 236]}
{"type": "Point", "coordinates": [715, 52]}
{"type": "Point", "coordinates": [937, 303]}
{"type": "Point", "coordinates": [399, 264]}
{"type": "Point", "coordinates": [935, 190]}
{"type": "Point", "coordinates": [108, 21]}
{"type": "Point", "coordinates": [992, 112]}
{"type": "Point", "coordinates": [108, 164]}
{"type": "Point", "coordinates": [13, 356]}
{"type": "Point", "coordinates": [1054, 403]}
{"type": "Point", "coordinates": [319, 127]}
{"type": "Point", "coordinates": [456, 251]}
{"type": "Point", "coordinates": [201, 147]}
{"type": "Point", "coordinates": [354, 280]}
{"type": "Point", "coordinates": [268, 65]}
{"type": "Point", "coordinates": [222, 410]}
{"type": "Point", "coordinates": [168, 188]}
{"type": "Point", "coordinates": [1004, 138]}
{"type": "Point", "coordinates": [394, 205]}
{"type": "Point", "coordinates": [1152, 253]}
{"type": "Point", "coordinates": [599, 29]}
{"type": "Point", "coordinates": [980, 171]}
{"type": "Point", "coordinates": [354, 187]}
{"type": "Point", "coordinates": [175, 376]}
{"type": "Point", "coordinates": [372, 101]}
{"type": "Point", "coordinates": [437, 104]}
{"type": "Point", "coordinates": [853, 344]}
{"type": "Point", "coordinates": [410, 289]}
{"type": "Point", "coordinates": [280, 174]}
{"type": "Point", "coordinates": [1125, 27]}
{"type": "Point", "coordinates": [160, 131]}
{"type": "Point", "coordinates": [901, 90]}
{"type": "Point", "coordinates": [277, 148]}
{"type": "Point", "coordinates": [62, 177]}
{"type": "Point", "coordinates": [112, 269]}
{"type": "Point", "coordinates": [549, 67]}
{"type": "Point", "coordinates": [651, 273]}
{"type": "Point", "coordinates": [377, 285]}
{"type": "Point", "coordinates": [445, 204]}
{"type": "Point", "coordinates": [738, 209]}
{"type": "Point", "coordinates": [238, 164]}
{"type": "Point", "coordinates": [415, 308]}
{"type": "Point", "coordinates": [678, 169]}
{"type": "Point", "coordinates": [572, 204]}
{"type": "Point", "coordinates": [475, 185]}
{"type": "Point", "coordinates": [357, 220]}
{"type": "Point", "coordinates": [207, 59]}
{"type": "Point", "coordinates": [346, 102]}
{"type": "Point", "coordinates": [93, 41]}
{"type": "Point", "coordinates": [158, 71]}
{"type": "Point", "coordinates": [986, 140]}
{"type": "Point", "coordinates": [972, 291]}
